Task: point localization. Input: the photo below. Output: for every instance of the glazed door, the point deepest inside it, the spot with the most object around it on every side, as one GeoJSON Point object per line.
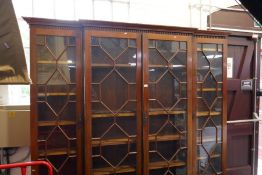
{"type": "Point", "coordinates": [210, 106]}
{"type": "Point", "coordinates": [240, 107]}
{"type": "Point", "coordinates": [167, 104]}
{"type": "Point", "coordinates": [113, 103]}
{"type": "Point", "coordinates": [56, 133]}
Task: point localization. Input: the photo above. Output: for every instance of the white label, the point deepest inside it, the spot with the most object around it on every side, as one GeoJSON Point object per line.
{"type": "Point", "coordinates": [230, 67]}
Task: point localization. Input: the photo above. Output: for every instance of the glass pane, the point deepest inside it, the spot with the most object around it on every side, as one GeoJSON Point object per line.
{"type": "Point", "coordinates": [220, 48]}
{"type": "Point", "coordinates": [94, 41]}
{"type": "Point", "coordinates": [209, 47]}
{"type": "Point", "coordinates": [99, 56]}
{"type": "Point", "coordinates": [56, 44]}
{"type": "Point", "coordinates": [128, 57]}
{"type": "Point", "coordinates": [202, 105]}
{"type": "Point", "coordinates": [216, 67]}
{"type": "Point", "coordinates": [70, 166]}
{"type": "Point", "coordinates": [69, 112]}
{"type": "Point", "coordinates": [71, 41]}
{"type": "Point", "coordinates": [72, 92]}
{"type": "Point", "coordinates": [131, 43]}
{"type": "Point", "coordinates": [178, 66]}
{"type": "Point", "coordinates": [155, 58]}
{"type": "Point", "coordinates": [95, 92]}
{"type": "Point", "coordinates": [126, 65]}
{"type": "Point", "coordinates": [167, 48]}
{"type": "Point", "coordinates": [57, 96]}
{"type": "Point", "coordinates": [202, 66]}
{"type": "Point", "coordinates": [132, 91]}
{"type": "Point", "coordinates": [43, 54]}
{"type": "Point", "coordinates": [44, 72]}
{"type": "Point", "coordinates": [53, 137]}
{"type": "Point", "coordinates": [199, 47]}
{"type": "Point", "coordinates": [210, 82]}
{"type": "Point", "coordinates": [183, 45]}
{"type": "Point", "coordinates": [151, 44]}
{"type": "Point", "coordinates": [129, 75]}
{"type": "Point", "coordinates": [99, 108]}
{"type": "Point", "coordinates": [118, 89]}
{"type": "Point", "coordinates": [40, 40]}
{"type": "Point", "coordinates": [67, 64]}
{"type": "Point", "coordinates": [100, 73]}
{"type": "Point", "coordinates": [128, 124]}
{"type": "Point", "coordinates": [183, 90]}
{"type": "Point", "coordinates": [209, 97]}
{"type": "Point", "coordinates": [113, 46]}
{"type": "Point", "coordinates": [45, 113]}
{"type": "Point", "coordinates": [155, 73]}
{"type": "Point", "coordinates": [167, 90]}
{"type": "Point", "coordinates": [217, 106]}
{"type": "Point", "coordinates": [220, 89]}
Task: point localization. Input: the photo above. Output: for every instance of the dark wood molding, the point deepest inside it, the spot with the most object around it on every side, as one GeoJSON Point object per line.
{"type": "Point", "coordinates": [108, 25]}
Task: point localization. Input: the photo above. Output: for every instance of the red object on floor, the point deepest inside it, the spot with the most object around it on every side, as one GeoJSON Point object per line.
{"type": "Point", "coordinates": [24, 165]}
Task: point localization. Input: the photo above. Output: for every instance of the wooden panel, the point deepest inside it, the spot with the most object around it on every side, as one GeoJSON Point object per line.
{"type": "Point", "coordinates": [242, 69]}
{"type": "Point", "coordinates": [240, 106]}
{"type": "Point", "coordinates": [244, 170]}
{"type": "Point", "coordinates": [245, 156]}
{"type": "Point", "coordinates": [235, 17]}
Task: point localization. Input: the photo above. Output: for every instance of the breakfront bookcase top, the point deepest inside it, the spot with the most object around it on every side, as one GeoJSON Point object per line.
{"type": "Point", "coordinates": [112, 98]}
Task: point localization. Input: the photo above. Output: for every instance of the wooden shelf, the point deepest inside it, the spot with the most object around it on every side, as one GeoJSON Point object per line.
{"type": "Point", "coordinates": [158, 112]}
{"type": "Point", "coordinates": [157, 66]}
{"type": "Point", "coordinates": [108, 142]}
{"type": "Point", "coordinates": [212, 157]}
{"type": "Point", "coordinates": [122, 141]}
{"type": "Point", "coordinates": [55, 94]}
{"type": "Point", "coordinates": [55, 123]}
{"type": "Point", "coordinates": [129, 169]}
{"type": "Point", "coordinates": [132, 114]}
{"type": "Point", "coordinates": [166, 66]}
{"type": "Point", "coordinates": [165, 137]}
{"type": "Point", "coordinates": [208, 139]}
{"type": "Point", "coordinates": [132, 65]}
{"type": "Point", "coordinates": [54, 62]}
{"type": "Point", "coordinates": [207, 49]}
{"type": "Point", "coordinates": [111, 170]}
{"type": "Point", "coordinates": [207, 113]}
{"type": "Point", "coordinates": [209, 89]}
{"type": "Point", "coordinates": [56, 152]}
{"type": "Point", "coordinates": [105, 115]}
{"type": "Point", "coordinates": [163, 164]}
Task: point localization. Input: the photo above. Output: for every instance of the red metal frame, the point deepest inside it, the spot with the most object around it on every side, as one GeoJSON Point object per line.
{"type": "Point", "coordinates": [24, 165]}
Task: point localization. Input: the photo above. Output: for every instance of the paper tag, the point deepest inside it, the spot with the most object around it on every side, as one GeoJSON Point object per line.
{"type": "Point", "coordinates": [230, 67]}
